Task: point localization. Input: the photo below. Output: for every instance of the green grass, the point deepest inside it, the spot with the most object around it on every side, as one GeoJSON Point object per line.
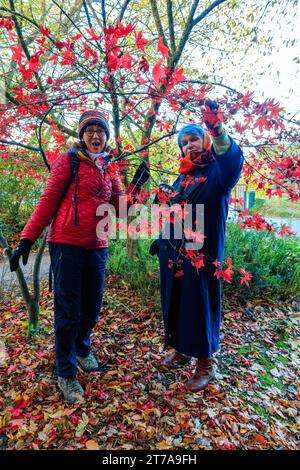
{"type": "Point", "coordinates": [284, 360]}
{"type": "Point", "coordinates": [277, 207]}
{"type": "Point", "coordinates": [268, 381]}
{"type": "Point", "coordinates": [244, 350]}
{"type": "Point", "coordinates": [261, 411]}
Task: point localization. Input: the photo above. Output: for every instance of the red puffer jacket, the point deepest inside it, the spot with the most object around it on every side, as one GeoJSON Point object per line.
{"type": "Point", "coordinates": [93, 188]}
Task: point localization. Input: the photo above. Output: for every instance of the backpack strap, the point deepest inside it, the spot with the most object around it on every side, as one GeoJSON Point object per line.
{"type": "Point", "coordinates": [74, 166]}
{"type": "Point", "coordinates": [74, 163]}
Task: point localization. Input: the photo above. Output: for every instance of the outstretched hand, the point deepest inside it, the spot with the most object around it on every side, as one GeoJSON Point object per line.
{"type": "Point", "coordinates": [213, 117]}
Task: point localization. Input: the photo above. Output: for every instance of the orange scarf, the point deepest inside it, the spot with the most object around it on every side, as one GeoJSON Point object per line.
{"type": "Point", "coordinates": [192, 161]}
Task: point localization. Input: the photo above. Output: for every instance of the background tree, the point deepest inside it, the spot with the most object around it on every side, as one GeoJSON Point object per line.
{"type": "Point", "coordinates": [150, 65]}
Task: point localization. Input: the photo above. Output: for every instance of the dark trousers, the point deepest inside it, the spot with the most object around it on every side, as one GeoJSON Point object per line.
{"type": "Point", "coordinates": [78, 292]}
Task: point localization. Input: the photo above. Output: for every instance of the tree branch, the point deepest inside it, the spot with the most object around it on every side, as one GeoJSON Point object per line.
{"type": "Point", "coordinates": [185, 34]}
{"type": "Point", "coordinates": [20, 276]}
{"type": "Point", "coordinates": [112, 90]}
{"type": "Point", "coordinates": [144, 147]}
{"type": "Point", "coordinates": [23, 43]}
{"type": "Point", "coordinates": [103, 11]}
{"type": "Point", "coordinates": [61, 127]}
{"type": "Point", "coordinates": [264, 176]}
{"type": "Point", "coordinates": [171, 25]}
{"type": "Point", "coordinates": [87, 13]}
{"type": "Point", "coordinates": [70, 19]}
{"type": "Point", "coordinates": [18, 144]}
{"type": "Point", "coordinates": [191, 23]}
{"type": "Point", "coordinates": [200, 82]}
{"type": "Point", "coordinates": [36, 268]}
{"type": "Point", "coordinates": [158, 23]}
{"type": "Point", "coordinates": [205, 12]}
{"type": "Point", "coordinates": [19, 30]}
{"type": "Point", "coordinates": [123, 9]}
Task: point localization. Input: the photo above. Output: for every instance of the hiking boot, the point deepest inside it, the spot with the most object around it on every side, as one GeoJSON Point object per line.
{"type": "Point", "coordinates": [89, 363]}
{"type": "Point", "coordinates": [72, 390]}
{"type": "Point", "coordinates": [175, 359]}
{"type": "Point", "coordinates": [204, 373]}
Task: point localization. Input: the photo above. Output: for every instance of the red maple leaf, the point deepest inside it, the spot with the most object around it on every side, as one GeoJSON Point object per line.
{"type": "Point", "coordinates": [45, 31]}
{"type": "Point", "coordinates": [225, 274]}
{"type": "Point", "coordinates": [140, 41]}
{"type": "Point", "coordinates": [89, 52]}
{"type": "Point", "coordinates": [262, 123]}
{"type": "Point", "coordinates": [33, 64]}
{"type": "Point", "coordinates": [68, 57]}
{"type": "Point", "coordinates": [170, 264]}
{"type": "Point", "coordinates": [125, 61]}
{"type": "Point", "coordinates": [162, 48]}
{"type": "Point", "coordinates": [163, 197]}
{"type": "Point", "coordinates": [246, 276]}
{"type": "Point", "coordinates": [245, 100]}
{"type": "Point", "coordinates": [158, 73]}
{"type": "Point", "coordinates": [198, 262]}
{"type": "Point", "coordinates": [16, 423]}
{"type": "Point", "coordinates": [113, 60]}
{"type": "Point", "coordinates": [284, 230]}
{"type": "Point", "coordinates": [176, 77]}
{"type": "Point", "coordinates": [26, 73]}
{"type": "Point", "coordinates": [179, 273]}
{"type": "Point", "coordinates": [53, 58]}
{"type": "Point", "coordinates": [60, 45]}
{"type": "Point", "coordinates": [17, 53]}
{"type": "Point", "coordinates": [122, 30]}
{"type": "Point", "coordinates": [144, 65]}
{"type": "Point", "coordinates": [212, 116]}
{"type": "Point", "coordinates": [76, 37]}
{"type": "Point", "coordinates": [93, 35]}
{"type": "Point", "coordinates": [7, 23]}
{"type": "Point", "coordinates": [18, 93]}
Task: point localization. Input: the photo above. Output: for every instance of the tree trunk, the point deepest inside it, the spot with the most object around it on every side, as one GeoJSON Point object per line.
{"type": "Point", "coordinates": [133, 248]}
{"type": "Point", "coordinates": [31, 300]}
{"type": "Point", "coordinates": [33, 317]}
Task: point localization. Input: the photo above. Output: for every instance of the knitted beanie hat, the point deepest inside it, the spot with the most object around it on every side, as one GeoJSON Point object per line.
{"type": "Point", "coordinates": [88, 118]}
{"type": "Point", "coordinates": [190, 129]}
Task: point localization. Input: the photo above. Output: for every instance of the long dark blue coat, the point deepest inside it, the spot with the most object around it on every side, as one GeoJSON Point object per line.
{"type": "Point", "coordinates": [191, 304]}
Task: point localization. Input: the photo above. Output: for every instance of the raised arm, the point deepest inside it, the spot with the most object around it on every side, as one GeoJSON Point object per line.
{"type": "Point", "coordinates": [228, 155]}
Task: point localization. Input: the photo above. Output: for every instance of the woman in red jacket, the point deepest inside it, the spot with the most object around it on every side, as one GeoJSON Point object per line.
{"type": "Point", "coordinates": [78, 256]}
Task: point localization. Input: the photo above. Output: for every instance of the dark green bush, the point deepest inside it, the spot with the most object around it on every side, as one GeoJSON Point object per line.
{"type": "Point", "coordinates": [273, 261]}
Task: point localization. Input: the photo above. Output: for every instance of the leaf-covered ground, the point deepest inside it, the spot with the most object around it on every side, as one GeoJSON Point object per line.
{"type": "Point", "coordinates": [134, 403]}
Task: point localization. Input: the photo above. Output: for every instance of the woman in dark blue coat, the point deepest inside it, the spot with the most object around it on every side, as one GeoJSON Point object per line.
{"type": "Point", "coordinates": [190, 291]}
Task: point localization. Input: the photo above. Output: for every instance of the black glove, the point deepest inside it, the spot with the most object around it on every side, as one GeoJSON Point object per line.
{"type": "Point", "coordinates": [154, 249]}
{"type": "Point", "coordinates": [141, 175]}
{"type": "Point", "coordinates": [22, 250]}
{"type": "Point", "coordinates": [213, 118]}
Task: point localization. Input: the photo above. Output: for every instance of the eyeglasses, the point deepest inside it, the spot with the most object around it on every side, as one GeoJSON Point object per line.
{"type": "Point", "coordinates": [91, 132]}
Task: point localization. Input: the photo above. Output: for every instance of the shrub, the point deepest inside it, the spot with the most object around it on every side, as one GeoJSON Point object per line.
{"type": "Point", "coordinates": [273, 261]}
